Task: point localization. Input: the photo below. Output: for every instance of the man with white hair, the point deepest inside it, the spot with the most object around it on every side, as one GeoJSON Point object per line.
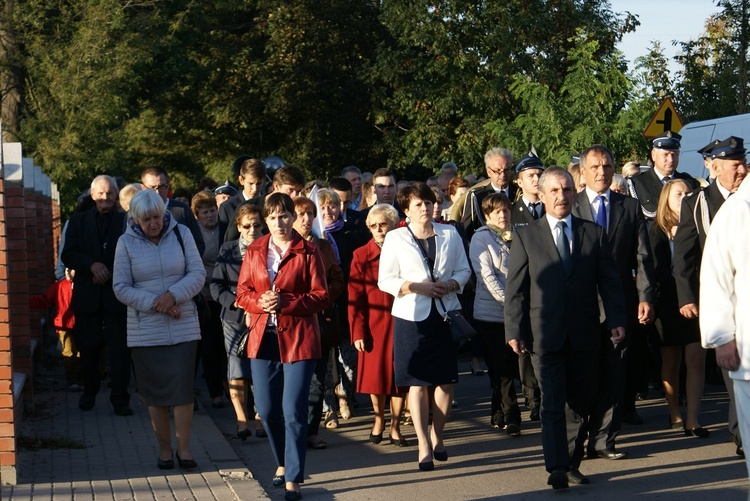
{"type": "Point", "coordinates": [498, 163]}
{"type": "Point", "coordinates": [90, 243]}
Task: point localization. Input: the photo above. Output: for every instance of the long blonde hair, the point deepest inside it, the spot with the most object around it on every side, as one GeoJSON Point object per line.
{"type": "Point", "coordinates": [665, 218]}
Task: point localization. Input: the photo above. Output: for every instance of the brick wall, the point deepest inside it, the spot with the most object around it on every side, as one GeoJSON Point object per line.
{"type": "Point", "coordinates": [27, 259]}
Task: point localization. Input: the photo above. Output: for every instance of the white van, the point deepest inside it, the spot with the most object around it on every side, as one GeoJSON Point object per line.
{"type": "Point", "coordinates": [696, 135]}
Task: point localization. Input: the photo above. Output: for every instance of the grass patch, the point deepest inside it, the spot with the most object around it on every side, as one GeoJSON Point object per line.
{"type": "Point", "coordinates": [51, 442]}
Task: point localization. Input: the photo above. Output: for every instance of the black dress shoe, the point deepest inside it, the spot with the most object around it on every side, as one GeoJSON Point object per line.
{"type": "Point", "coordinates": [440, 456]}
{"type": "Point", "coordinates": [292, 496]}
{"type": "Point", "coordinates": [186, 464]}
{"type": "Point", "coordinates": [740, 451]}
{"type": "Point", "coordinates": [86, 402]}
{"type": "Point", "coordinates": [513, 430]}
{"type": "Point", "coordinates": [558, 479]}
{"type": "Point", "coordinates": [399, 442]}
{"type": "Point", "coordinates": [699, 432]}
{"type": "Point", "coordinates": [608, 454]}
{"type": "Point", "coordinates": [376, 439]}
{"type": "Point", "coordinates": [165, 464]}
{"type": "Point", "coordinates": [123, 410]}
{"type": "Point", "coordinates": [534, 414]}
{"type": "Point", "coordinates": [278, 480]}
{"type": "Point", "coordinates": [577, 478]}
{"type": "Point", "coordinates": [496, 420]}
{"type": "Point", "coordinates": [632, 418]}
{"type": "Point", "coordinates": [244, 434]}
{"type": "Point", "coordinates": [427, 466]}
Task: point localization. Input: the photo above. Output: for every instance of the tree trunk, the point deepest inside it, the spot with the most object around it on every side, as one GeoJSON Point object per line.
{"type": "Point", "coordinates": [11, 75]}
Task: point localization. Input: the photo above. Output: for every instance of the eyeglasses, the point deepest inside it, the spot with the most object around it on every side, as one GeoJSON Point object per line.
{"type": "Point", "coordinates": [248, 226]}
{"type": "Point", "coordinates": [498, 172]}
{"type": "Point", "coordinates": [378, 225]}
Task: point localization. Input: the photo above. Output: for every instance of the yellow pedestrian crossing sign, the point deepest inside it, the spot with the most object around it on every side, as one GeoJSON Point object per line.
{"type": "Point", "coordinates": [665, 118]}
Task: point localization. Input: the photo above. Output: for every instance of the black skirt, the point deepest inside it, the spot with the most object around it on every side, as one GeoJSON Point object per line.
{"type": "Point", "coordinates": [424, 352]}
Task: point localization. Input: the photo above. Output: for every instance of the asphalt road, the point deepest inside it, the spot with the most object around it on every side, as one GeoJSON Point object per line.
{"type": "Point", "coordinates": [485, 463]}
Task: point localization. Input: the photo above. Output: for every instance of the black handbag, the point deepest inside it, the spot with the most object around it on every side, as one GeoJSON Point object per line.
{"type": "Point", "coordinates": [461, 329]}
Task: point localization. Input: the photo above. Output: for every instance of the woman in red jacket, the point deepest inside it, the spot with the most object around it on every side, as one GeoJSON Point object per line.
{"type": "Point", "coordinates": [282, 286]}
{"type": "Point", "coordinates": [371, 325]}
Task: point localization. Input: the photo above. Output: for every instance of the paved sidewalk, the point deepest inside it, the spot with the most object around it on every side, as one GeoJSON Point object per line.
{"type": "Point", "coordinates": [487, 464]}
{"type": "Point", "coordinates": [119, 461]}
{"type": "Point", "coordinates": [120, 454]}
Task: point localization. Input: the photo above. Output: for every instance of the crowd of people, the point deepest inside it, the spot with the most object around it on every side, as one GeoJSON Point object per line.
{"type": "Point", "coordinates": [293, 296]}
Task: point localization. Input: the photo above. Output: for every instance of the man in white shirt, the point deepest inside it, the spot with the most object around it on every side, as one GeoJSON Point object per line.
{"type": "Point", "coordinates": [626, 231]}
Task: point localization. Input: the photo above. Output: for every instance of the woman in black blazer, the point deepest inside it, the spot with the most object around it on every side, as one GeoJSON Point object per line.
{"type": "Point", "coordinates": [677, 332]}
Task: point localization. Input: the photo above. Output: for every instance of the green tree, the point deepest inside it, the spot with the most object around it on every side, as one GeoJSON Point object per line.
{"type": "Point", "coordinates": [447, 73]}
{"type": "Point", "coordinates": [713, 79]}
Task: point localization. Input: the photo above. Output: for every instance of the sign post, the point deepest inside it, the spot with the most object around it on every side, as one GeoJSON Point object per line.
{"type": "Point", "coordinates": [665, 118]}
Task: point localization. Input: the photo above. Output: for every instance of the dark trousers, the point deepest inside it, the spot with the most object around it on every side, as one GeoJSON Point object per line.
{"type": "Point", "coordinates": [502, 363]}
{"type": "Point", "coordinates": [212, 352]}
{"type": "Point", "coordinates": [94, 332]}
{"type": "Point", "coordinates": [638, 365]}
{"type": "Point", "coordinates": [317, 391]}
{"type": "Point", "coordinates": [282, 391]}
{"type": "Point", "coordinates": [566, 381]}
{"type": "Point", "coordinates": [529, 382]}
{"type": "Point", "coordinates": [605, 421]}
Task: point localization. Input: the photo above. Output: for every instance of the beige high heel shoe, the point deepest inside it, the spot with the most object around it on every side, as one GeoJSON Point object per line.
{"type": "Point", "coordinates": [344, 410]}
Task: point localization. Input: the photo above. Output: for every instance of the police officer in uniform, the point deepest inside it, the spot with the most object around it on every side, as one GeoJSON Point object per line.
{"type": "Point", "coordinates": [728, 168]}
{"type": "Point", "coordinates": [646, 186]}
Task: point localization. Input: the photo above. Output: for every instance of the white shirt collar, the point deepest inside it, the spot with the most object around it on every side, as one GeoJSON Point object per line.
{"type": "Point", "coordinates": [591, 194]}
{"type": "Point", "coordinates": [529, 202]}
{"type": "Point", "coordinates": [552, 221]}
{"type": "Point", "coordinates": [724, 192]}
{"type": "Point", "coordinates": [661, 176]}
{"type": "Point", "coordinates": [499, 190]}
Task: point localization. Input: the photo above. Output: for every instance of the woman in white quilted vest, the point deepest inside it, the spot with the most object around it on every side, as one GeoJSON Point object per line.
{"type": "Point", "coordinates": [157, 273]}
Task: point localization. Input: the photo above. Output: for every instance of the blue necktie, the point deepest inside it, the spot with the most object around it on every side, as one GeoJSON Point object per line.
{"type": "Point", "coordinates": [601, 216]}
{"type": "Point", "coordinates": [563, 246]}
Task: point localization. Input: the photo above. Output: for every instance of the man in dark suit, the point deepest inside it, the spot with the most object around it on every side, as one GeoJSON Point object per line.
{"type": "Point", "coordinates": [90, 243]}
{"type": "Point", "coordinates": [728, 167]}
{"type": "Point", "coordinates": [498, 162]}
{"type": "Point", "coordinates": [524, 211]}
{"type": "Point", "coordinates": [155, 178]}
{"type": "Point", "coordinates": [627, 235]}
{"type": "Point", "coordinates": [557, 265]}
{"type": "Point", "coordinates": [646, 186]}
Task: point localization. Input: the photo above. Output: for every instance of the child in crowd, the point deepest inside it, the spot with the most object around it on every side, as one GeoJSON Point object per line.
{"type": "Point", "coordinates": [58, 295]}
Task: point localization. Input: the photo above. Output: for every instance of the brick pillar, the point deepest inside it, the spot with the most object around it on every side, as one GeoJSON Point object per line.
{"type": "Point", "coordinates": [18, 276]}
{"type": "Point", "coordinates": [10, 413]}
{"type": "Point", "coordinates": [35, 275]}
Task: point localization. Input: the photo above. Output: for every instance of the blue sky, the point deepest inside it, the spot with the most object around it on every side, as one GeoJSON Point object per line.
{"type": "Point", "coordinates": [663, 20]}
